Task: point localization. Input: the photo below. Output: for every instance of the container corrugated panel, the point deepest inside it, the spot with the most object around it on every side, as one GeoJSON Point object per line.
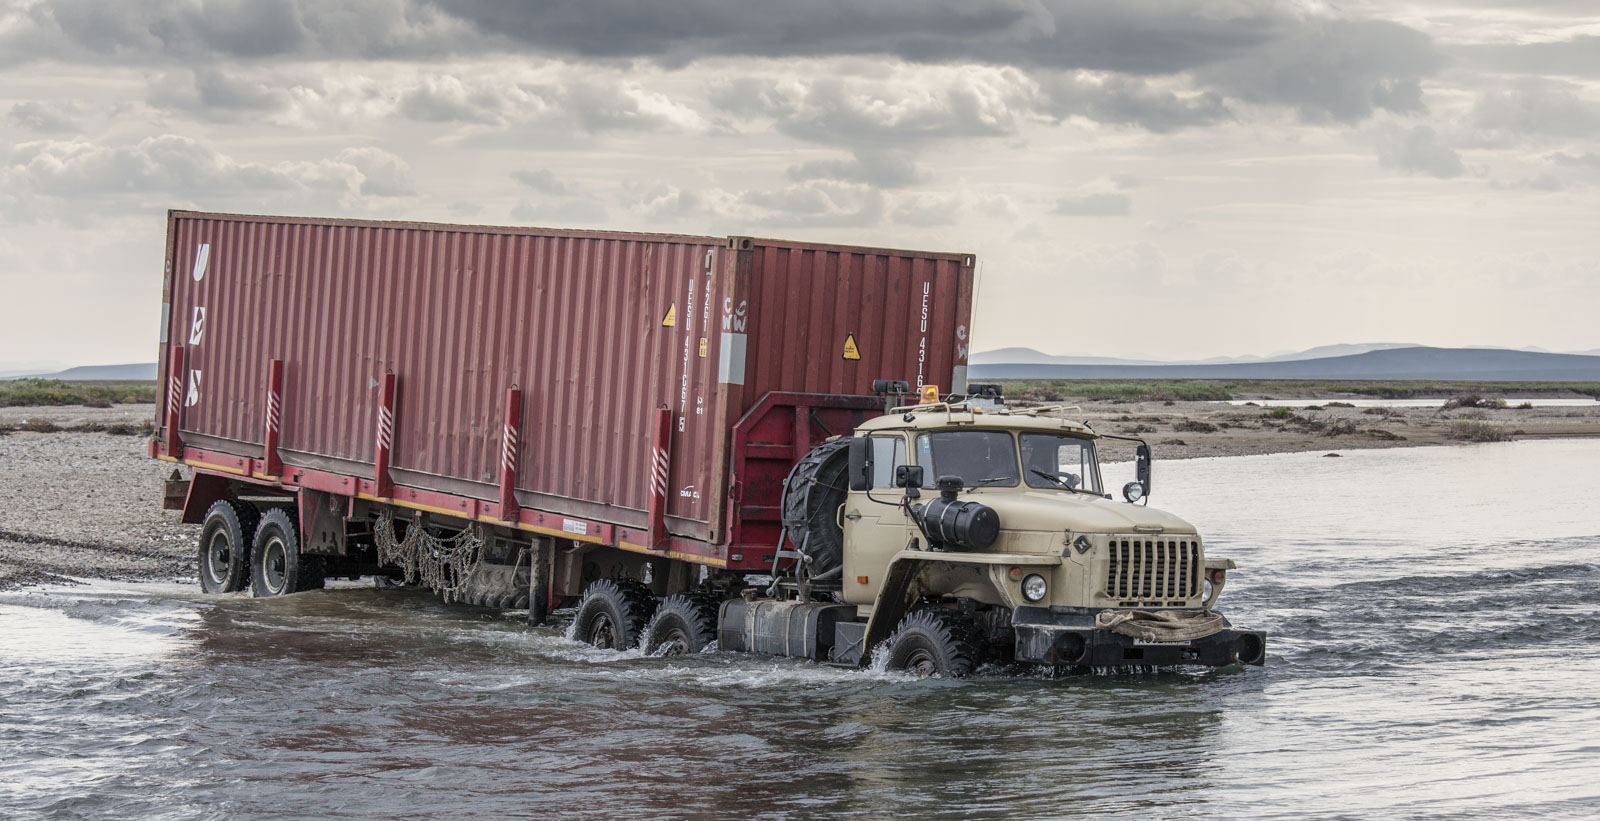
{"type": "Point", "coordinates": [831, 319]}
{"type": "Point", "coordinates": [598, 329]}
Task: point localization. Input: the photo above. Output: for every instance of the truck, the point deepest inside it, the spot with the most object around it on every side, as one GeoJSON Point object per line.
{"type": "Point", "coordinates": [687, 442]}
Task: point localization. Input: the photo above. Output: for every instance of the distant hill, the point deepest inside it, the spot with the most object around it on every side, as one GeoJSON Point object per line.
{"type": "Point", "coordinates": [1394, 363]}
{"type": "Point", "coordinates": [1029, 356]}
{"type": "Point", "coordinates": [105, 373]}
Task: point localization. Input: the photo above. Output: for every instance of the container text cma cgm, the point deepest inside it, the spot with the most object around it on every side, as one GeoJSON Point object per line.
{"type": "Point", "coordinates": [693, 439]}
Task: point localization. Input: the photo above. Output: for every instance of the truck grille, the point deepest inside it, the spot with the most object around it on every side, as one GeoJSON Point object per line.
{"type": "Point", "coordinates": [1153, 569]}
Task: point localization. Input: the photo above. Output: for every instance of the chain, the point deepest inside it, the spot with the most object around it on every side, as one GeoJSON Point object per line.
{"type": "Point", "coordinates": [443, 565]}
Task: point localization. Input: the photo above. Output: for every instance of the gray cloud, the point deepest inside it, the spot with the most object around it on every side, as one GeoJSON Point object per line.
{"type": "Point", "coordinates": [1094, 205]}
{"type": "Point", "coordinates": [382, 174]}
{"type": "Point", "coordinates": [1140, 36]}
{"type": "Point", "coordinates": [836, 111]}
{"type": "Point", "coordinates": [68, 178]}
{"type": "Point", "coordinates": [214, 94]}
{"type": "Point", "coordinates": [1341, 70]}
{"type": "Point", "coordinates": [1123, 100]}
{"type": "Point", "coordinates": [1534, 107]}
{"type": "Point", "coordinates": [45, 118]}
{"type": "Point", "coordinates": [1575, 57]}
{"type": "Point", "coordinates": [1418, 150]}
{"type": "Point", "coordinates": [814, 204]}
{"type": "Point", "coordinates": [168, 163]}
{"type": "Point", "coordinates": [661, 202]}
{"type": "Point", "coordinates": [543, 181]}
{"type": "Point", "coordinates": [879, 168]}
{"type": "Point", "coordinates": [1260, 52]}
{"type": "Point", "coordinates": [588, 104]}
{"type": "Point", "coordinates": [1591, 160]}
{"type": "Point", "coordinates": [165, 30]}
{"type": "Point", "coordinates": [445, 98]}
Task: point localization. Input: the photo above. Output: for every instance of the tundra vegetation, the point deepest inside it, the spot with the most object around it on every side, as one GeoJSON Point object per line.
{"type": "Point", "coordinates": [31, 392]}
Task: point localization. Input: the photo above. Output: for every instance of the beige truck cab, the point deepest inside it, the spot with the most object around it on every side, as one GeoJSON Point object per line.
{"type": "Point", "coordinates": [946, 535]}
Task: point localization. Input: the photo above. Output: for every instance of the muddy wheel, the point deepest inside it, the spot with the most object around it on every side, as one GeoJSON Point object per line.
{"type": "Point", "coordinates": [684, 624]}
{"type": "Point", "coordinates": [934, 642]}
{"type": "Point", "coordinates": [277, 567]}
{"type": "Point", "coordinates": [613, 614]}
{"type": "Point", "coordinates": [225, 538]}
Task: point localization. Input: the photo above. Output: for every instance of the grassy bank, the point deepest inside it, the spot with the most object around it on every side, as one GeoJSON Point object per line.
{"type": "Point", "coordinates": [35, 392]}
{"type": "Point", "coordinates": [1217, 390]}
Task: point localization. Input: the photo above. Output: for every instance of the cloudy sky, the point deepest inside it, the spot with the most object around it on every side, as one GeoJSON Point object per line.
{"type": "Point", "coordinates": [1169, 179]}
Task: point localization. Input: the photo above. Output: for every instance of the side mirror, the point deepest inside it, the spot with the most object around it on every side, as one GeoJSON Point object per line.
{"type": "Point", "coordinates": [860, 463]}
{"type": "Point", "coordinates": [908, 476]}
{"type": "Point", "coordinates": [1141, 468]}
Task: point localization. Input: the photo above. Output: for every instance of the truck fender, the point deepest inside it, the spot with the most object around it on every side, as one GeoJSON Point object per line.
{"type": "Point", "coordinates": [204, 490]}
{"type": "Point", "coordinates": [898, 592]}
{"type": "Point", "coordinates": [894, 600]}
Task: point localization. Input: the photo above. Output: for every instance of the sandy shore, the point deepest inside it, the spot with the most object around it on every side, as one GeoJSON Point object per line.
{"type": "Point", "coordinates": [89, 504]}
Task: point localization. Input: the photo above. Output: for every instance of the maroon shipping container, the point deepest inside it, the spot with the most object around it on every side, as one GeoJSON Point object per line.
{"type": "Point", "coordinates": [644, 391]}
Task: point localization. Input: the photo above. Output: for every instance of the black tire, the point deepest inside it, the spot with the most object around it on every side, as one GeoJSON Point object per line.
{"type": "Point", "coordinates": [684, 624]}
{"type": "Point", "coordinates": [613, 614]}
{"type": "Point", "coordinates": [277, 568]}
{"type": "Point", "coordinates": [935, 642]}
{"type": "Point", "coordinates": [224, 547]}
{"type": "Point", "coordinates": [811, 498]}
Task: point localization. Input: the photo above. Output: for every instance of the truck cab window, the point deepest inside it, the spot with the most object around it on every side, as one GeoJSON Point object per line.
{"type": "Point", "coordinates": [888, 453]}
{"type": "Point", "coordinates": [1069, 458]}
{"type": "Point", "coordinates": [977, 456]}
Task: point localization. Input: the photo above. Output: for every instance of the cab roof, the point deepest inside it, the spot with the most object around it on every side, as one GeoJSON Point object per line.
{"type": "Point", "coordinates": [942, 416]}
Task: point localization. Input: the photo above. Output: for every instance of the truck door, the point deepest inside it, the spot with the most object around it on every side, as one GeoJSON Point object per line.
{"type": "Point", "coordinates": [875, 526]}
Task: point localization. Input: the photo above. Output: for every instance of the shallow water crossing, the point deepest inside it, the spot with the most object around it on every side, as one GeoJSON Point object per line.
{"type": "Point", "coordinates": [1433, 616]}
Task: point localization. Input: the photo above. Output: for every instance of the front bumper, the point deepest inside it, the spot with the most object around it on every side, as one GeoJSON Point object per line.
{"type": "Point", "coordinates": [1066, 636]}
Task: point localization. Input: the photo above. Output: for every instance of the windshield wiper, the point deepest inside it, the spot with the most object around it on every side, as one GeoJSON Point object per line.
{"type": "Point", "coordinates": [989, 481]}
{"type": "Point", "coordinates": [1064, 484]}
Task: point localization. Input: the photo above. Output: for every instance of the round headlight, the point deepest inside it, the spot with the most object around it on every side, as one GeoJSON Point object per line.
{"type": "Point", "coordinates": [1133, 491]}
{"type": "Point", "coordinates": [1034, 587]}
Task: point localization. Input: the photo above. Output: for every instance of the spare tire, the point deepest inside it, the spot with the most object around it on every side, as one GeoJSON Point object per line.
{"type": "Point", "coordinates": [811, 498]}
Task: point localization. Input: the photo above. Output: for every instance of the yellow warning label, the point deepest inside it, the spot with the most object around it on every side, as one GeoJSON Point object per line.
{"type": "Point", "coordinates": [850, 349]}
{"type": "Point", "coordinates": [671, 318]}
{"type": "Point", "coordinates": [702, 347]}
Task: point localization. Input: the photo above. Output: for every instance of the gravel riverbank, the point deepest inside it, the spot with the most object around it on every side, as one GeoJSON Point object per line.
{"type": "Point", "coordinates": [86, 505]}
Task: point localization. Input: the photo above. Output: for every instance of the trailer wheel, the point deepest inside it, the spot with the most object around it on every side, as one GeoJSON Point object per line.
{"type": "Point", "coordinates": [277, 567]}
{"type": "Point", "coordinates": [935, 642]}
{"type": "Point", "coordinates": [613, 614]}
{"type": "Point", "coordinates": [225, 538]}
{"type": "Point", "coordinates": [684, 624]}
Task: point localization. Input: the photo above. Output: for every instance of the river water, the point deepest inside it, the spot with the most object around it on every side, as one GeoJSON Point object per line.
{"type": "Point", "coordinates": [1434, 615]}
{"type": "Point", "coordinates": [1410, 403]}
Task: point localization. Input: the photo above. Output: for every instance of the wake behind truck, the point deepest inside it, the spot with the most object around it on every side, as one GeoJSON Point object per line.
{"type": "Point", "coordinates": [696, 441]}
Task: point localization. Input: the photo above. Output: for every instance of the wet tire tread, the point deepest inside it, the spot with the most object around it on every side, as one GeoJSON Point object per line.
{"type": "Point", "coordinates": [695, 612]}
{"type": "Point", "coordinates": [954, 639]}
{"type": "Point", "coordinates": [630, 602]}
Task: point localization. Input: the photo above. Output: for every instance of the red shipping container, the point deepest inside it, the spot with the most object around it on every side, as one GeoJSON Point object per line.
{"type": "Point", "coordinates": [582, 342]}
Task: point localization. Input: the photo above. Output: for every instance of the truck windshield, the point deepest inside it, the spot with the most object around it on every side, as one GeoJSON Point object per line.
{"type": "Point", "coordinates": [1052, 460]}
{"type": "Point", "coordinates": [979, 457]}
